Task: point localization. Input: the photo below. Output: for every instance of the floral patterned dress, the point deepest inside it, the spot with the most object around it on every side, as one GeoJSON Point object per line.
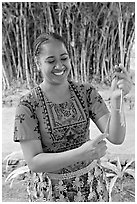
{"type": "Point", "coordinates": [62, 127]}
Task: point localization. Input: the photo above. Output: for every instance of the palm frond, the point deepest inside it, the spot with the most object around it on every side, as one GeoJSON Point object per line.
{"type": "Point", "coordinates": [14, 174]}
{"type": "Point", "coordinates": [110, 175]}
{"type": "Point", "coordinates": [119, 164]}
{"type": "Point", "coordinates": [13, 155]}
{"type": "Point", "coordinates": [112, 183]}
{"type": "Point", "coordinates": [128, 164]}
{"type": "Point", "coordinates": [130, 172]}
{"type": "Point", "coordinates": [110, 166]}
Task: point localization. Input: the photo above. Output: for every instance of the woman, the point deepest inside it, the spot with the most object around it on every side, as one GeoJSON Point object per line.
{"type": "Point", "coordinates": [52, 126]}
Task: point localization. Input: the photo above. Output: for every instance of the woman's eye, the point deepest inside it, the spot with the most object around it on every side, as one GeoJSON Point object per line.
{"type": "Point", "coordinates": [52, 61]}
{"type": "Point", "coordinates": [65, 58]}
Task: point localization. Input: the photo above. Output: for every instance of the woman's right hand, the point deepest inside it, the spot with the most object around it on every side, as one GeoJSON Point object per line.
{"type": "Point", "coordinates": [93, 149]}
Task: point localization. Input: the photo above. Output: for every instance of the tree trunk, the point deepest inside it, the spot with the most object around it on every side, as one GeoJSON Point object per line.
{"type": "Point", "coordinates": [51, 25]}
{"type": "Point", "coordinates": [120, 28]}
{"type": "Point", "coordinates": [91, 28]}
{"type": "Point", "coordinates": [19, 68]}
{"type": "Point", "coordinates": [129, 50]}
{"type": "Point", "coordinates": [6, 79]}
{"type": "Point", "coordinates": [25, 48]}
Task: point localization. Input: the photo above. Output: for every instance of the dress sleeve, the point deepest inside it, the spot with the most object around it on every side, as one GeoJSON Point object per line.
{"type": "Point", "coordinates": [96, 105]}
{"type": "Point", "coordinates": [26, 126]}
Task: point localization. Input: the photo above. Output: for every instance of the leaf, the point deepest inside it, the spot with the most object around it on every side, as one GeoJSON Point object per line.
{"type": "Point", "coordinates": [11, 184]}
{"type": "Point", "coordinates": [112, 183]}
{"type": "Point", "coordinates": [128, 164]}
{"type": "Point", "coordinates": [110, 175]}
{"type": "Point", "coordinates": [17, 172]}
{"type": "Point", "coordinates": [17, 155]}
{"type": "Point", "coordinates": [131, 172]}
{"type": "Point", "coordinates": [131, 192]}
{"type": "Point", "coordinates": [13, 155]}
{"type": "Point", "coordinates": [110, 166]}
{"type": "Point", "coordinates": [119, 164]}
{"type": "Point", "coordinates": [9, 155]}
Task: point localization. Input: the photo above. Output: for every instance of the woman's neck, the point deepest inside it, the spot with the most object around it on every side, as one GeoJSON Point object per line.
{"type": "Point", "coordinates": [57, 93]}
{"type": "Point", "coordinates": [49, 87]}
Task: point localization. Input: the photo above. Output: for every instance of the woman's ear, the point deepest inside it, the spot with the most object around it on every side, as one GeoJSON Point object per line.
{"type": "Point", "coordinates": [37, 63]}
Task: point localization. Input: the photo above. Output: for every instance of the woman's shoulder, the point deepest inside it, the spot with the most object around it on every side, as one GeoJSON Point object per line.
{"type": "Point", "coordinates": [28, 94]}
{"type": "Point", "coordinates": [85, 86]}
{"type": "Point", "coordinates": [30, 97]}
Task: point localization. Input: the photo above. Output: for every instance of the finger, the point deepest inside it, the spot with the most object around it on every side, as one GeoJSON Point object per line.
{"type": "Point", "coordinates": [124, 84]}
{"type": "Point", "coordinates": [126, 88]}
{"type": "Point", "coordinates": [101, 145]}
{"type": "Point", "coordinates": [98, 139]}
{"type": "Point", "coordinates": [113, 85]}
{"type": "Point", "coordinates": [120, 82]}
{"type": "Point", "coordinates": [103, 154]}
{"type": "Point", "coordinates": [117, 69]}
{"type": "Point", "coordinates": [102, 151]}
{"type": "Point", "coordinates": [123, 68]}
{"type": "Point", "coordinates": [121, 75]}
{"type": "Point", "coordinates": [120, 69]}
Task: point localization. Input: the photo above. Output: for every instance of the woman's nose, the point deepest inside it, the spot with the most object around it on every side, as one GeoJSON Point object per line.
{"type": "Point", "coordinates": [59, 65]}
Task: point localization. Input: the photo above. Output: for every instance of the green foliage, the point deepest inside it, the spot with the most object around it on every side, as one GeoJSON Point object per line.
{"type": "Point", "coordinates": [16, 173]}
{"type": "Point", "coordinates": [117, 171]}
{"type": "Point", "coordinates": [114, 172]}
{"type": "Point", "coordinates": [13, 158]}
{"type": "Point", "coordinates": [15, 161]}
{"type": "Point", "coordinates": [90, 29]}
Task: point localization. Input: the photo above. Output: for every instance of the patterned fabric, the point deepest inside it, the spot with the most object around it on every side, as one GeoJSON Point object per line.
{"type": "Point", "coordinates": [90, 187]}
{"type": "Point", "coordinates": [60, 127]}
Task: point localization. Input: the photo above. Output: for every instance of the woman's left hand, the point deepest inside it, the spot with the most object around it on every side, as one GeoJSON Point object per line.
{"type": "Point", "coordinates": [121, 81]}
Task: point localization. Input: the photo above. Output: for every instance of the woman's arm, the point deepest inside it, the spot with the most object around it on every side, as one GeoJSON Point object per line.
{"type": "Point", "coordinates": [38, 161]}
{"type": "Point", "coordinates": [116, 129]}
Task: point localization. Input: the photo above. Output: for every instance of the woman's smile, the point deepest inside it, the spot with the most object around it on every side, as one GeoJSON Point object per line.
{"type": "Point", "coordinates": [54, 62]}
{"type": "Point", "coordinates": [59, 72]}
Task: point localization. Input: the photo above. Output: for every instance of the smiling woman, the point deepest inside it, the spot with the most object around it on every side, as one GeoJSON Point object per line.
{"type": "Point", "coordinates": [52, 125]}
{"type": "Point", "coordinates": [51, 56]}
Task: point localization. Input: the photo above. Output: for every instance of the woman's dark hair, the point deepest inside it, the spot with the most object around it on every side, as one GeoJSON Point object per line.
{"type": "Point", "coordinates": [45, 37]}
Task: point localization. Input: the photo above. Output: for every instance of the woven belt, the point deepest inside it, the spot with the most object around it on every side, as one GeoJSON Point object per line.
{"type": "Point", "coordinates": [73, 174]}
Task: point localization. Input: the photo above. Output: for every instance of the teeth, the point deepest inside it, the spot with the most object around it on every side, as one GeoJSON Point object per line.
{"type": "Point", "coordinates": [59, 73]}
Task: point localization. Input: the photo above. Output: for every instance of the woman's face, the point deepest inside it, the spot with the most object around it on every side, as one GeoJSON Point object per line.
{"type": "Point", "coordinates": [54, 62]}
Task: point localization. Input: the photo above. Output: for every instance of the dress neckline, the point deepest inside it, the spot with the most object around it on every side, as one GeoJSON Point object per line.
{"type": "Point", "coordinates": [51, 102]}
